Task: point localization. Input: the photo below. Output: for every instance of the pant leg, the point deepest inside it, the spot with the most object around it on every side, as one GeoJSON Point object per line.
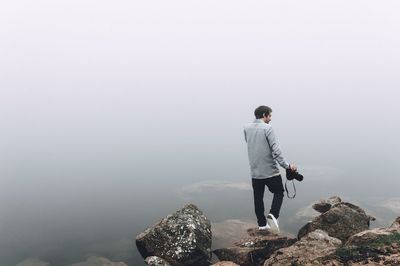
{"type": "Point", "coordinates": [276, 187]}
{"type": "Point", "coordinates": [258, 193]}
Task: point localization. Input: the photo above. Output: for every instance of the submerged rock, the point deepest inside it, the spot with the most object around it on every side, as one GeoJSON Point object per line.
{"type": "Point", "coordinates": [33, 262]}
{"type": "Point", "coordinates": [255, 248]}
{"type": "Point", "coordinates": [227, 232]}
{"type": "Point", "coordinates": [307, 251]}
{"type": "Point", "coordinates": [181, 238]}
{"type": "Point", "coordinates": [341, 221]}
{"type": "Point", "coordinates": [97, 261]}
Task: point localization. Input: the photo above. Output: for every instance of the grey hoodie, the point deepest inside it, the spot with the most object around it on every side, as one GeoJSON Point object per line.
{"type": "Point", "coordinates": [263, 149]}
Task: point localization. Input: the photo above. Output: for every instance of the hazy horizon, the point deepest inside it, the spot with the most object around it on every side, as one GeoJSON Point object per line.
{"type": "Point", "coordinates": [115, 114]}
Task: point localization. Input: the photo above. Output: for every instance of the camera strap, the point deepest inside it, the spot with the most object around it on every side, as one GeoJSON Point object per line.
{"type": "Point", "coordinates": [287, 192]}
{"type": "Point", "coordinates": [294, 187]}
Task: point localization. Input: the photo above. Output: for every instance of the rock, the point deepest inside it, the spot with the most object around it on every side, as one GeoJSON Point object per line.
{"type": "Point", "coordinates": [156, 261]}
{"type": "Point", "coordinates": [241, 256]}
{"type": "Point", "coordinates": [255, 248]}
{"type": "Point", "coordinates": [334, 200]}
{"type": "Point", "coordinates": [396, 223]}
{"type": "Point", "coordinates": [225, 263]}
{"type": "Point", "coordinates": [371, 249]}
{"type": "Point", "coordinates": [368, 236]}
{"type": "Point", "coordinates": [322, 207]}
{"type": "Point", "coordinates": [181, 238]}
{"type": "Point", "coordinates": [341, 221]}
{"type": "Point", "coordinates": [98, 261]}
{"type": "Point", "coordinates": [379, 246]}
{"type": "Point", "coordinates": [307, 251]}
{"type": "Point", "coordinates": [33, 262]}
{"type": "Point", "coordinates": [325, 205]}
{"type": "Point", "coordinates": [371, 218]}
{"type": "Point", "coordinates": [117, 249]}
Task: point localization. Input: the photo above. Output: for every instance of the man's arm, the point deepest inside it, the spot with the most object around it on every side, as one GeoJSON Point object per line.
{"type": "Point", "coordinates": [275, 149]}
{"type": "Point", "coordinates": [245, 137]}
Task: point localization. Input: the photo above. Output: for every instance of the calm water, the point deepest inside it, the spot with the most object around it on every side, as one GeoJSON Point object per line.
{"type": "Point", "coordinates": [70, 227]}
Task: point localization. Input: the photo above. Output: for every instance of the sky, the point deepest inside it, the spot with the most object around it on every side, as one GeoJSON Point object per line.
{"type": "Point", "coordinates": [105, 103]}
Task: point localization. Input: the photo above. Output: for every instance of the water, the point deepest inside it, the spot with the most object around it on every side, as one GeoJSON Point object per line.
{"type": "Point", "coordinates": [69, 228]}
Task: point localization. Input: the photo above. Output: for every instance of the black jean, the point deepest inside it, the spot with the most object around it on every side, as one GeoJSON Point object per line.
{"type": "Point", "coordinates": [275, 186]}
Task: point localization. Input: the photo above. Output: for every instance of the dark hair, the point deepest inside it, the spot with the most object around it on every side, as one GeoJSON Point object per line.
{"type": "Point", "coordinates": [261, 111]}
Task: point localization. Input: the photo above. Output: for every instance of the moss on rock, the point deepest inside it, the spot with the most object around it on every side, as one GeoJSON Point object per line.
{"type": "Point", "coordinates": [384, 245]}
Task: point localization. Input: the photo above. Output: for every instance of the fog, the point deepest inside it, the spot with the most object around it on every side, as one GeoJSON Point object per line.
{"type": "Point", "coordinates": [114, 114]}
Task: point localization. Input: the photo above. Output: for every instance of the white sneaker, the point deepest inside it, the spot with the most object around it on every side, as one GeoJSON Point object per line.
{"type": "Point", "coordinates": [274, 221]}
{"type": "Point", "coordinates": [265, 227]}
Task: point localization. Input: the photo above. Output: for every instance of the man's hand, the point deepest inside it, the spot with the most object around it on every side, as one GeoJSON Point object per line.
{"type": "Point", "coordinates": [293, 167]}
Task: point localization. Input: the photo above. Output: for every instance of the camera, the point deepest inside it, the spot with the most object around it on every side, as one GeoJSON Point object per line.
{"type": "Point", "coordinates": [290, 175]}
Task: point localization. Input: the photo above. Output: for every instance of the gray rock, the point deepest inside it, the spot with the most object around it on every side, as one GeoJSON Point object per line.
{"type": "Point", "coordinates": [341, 221]}
{"type": "Point", "coordinates": [156, 261]}
{"type": "Point", "coordinates": [181, 238]}
{"type": "Point", "coordinates": [325, 205]}
{"type": "Point", "coordinates": [322, 207]}
{"type": "Point", "coordinates": [307, 251]}
{"type": "Point", "coordinates": [254, 249]}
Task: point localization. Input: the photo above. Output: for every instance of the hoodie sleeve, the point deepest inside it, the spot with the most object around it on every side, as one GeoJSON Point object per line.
{"type": "Point", "coordinates": [245, 137]}
{"type": "Point", "coordinates": [275, 149]}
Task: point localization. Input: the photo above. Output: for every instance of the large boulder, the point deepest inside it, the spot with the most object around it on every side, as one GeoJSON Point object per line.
{"type": "Point", "coordinates": [255, 248]}
{"type": "Point", "coordinates": [181, 238]}
{"type": "Point", "coordinates": [378, 246]}
{"type": "Point", "coordinates": [368, 236]}
{"type": "Point", "coordinates": [373, 249]}
{"type": "Point", "coordinates": [307, 251]}
{"type": "Point", "coordinates": [341, 221]}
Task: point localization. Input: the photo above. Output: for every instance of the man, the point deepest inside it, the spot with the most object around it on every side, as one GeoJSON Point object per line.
{"type": "Point", "coordinates": [264, 157]}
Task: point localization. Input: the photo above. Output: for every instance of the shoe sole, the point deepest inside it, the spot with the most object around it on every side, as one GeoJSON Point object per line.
{"type": "Point", "coordinates": [274, 221]}
{"type": "Point", "coordinates": [264, 227]}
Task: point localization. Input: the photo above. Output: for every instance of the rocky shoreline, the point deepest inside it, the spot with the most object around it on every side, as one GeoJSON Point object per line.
{"type": "Point", "coordinates": [339, 235]}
